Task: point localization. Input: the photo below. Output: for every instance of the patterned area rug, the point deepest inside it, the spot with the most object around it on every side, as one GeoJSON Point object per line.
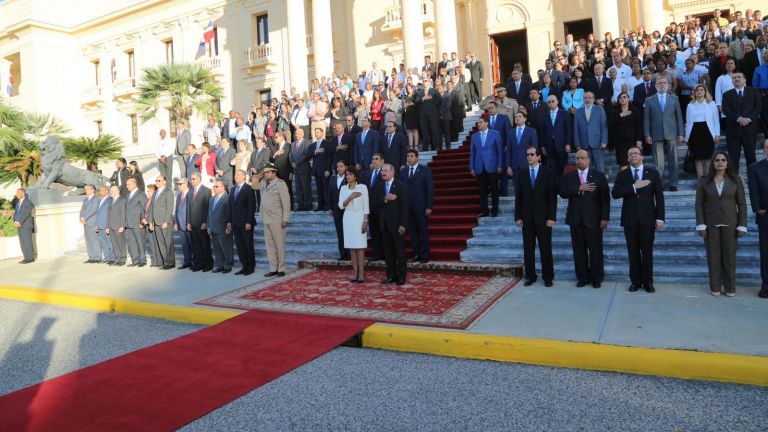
{"type": "Point", "coordinates": [445, 299]}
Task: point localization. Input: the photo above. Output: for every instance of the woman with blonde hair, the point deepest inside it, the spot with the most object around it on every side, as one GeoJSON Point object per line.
{"type": "Point", "coordinates": [243, 157]}
{"type": "Point", "coordinates": [702, 128]}
{"type": "Point", "coordinates": [362, 111]}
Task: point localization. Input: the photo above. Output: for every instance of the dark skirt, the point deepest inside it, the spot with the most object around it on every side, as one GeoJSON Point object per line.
{"type": "Point", "coordinates": [411, 117]}
{"type": "Point", "coordinates": [700, 143]}
{"type": "Point", "coordinates": [621, 147]}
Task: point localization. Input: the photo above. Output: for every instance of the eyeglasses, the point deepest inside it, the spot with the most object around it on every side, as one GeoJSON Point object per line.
{"type": "Point", "coordinates": [635, 153]}
{"type": "Point", "coordinates": [721, 160]}
{"type": "Point", "coordinates": [531, 154]}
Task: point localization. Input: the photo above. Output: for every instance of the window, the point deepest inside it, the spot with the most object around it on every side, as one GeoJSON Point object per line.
{"type": "Point", "coordinates": [97, 71]}
{"type": "Point", "coordinates": [168, 51]}
{"type": "Point", "coordinates": [265, 96]}
{"type": "Point", "coordinates": [262, 29]}
{"type": "Point", "coordinates": [99, 128]}
{"type": "Point", "coordinates": [131, 66]}
{"type": "Point", "coordinates": [135, 128]}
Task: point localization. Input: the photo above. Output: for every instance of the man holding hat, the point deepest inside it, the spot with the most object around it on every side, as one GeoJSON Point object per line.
{"type": "Point", "coordinates": [507, 105]}
{"type": "Point", "coordinates": [275, 213]}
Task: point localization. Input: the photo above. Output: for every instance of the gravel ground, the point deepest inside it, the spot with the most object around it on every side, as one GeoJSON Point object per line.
{"type": "Point", "coordinates": [39, 342]}
{"type": "Point", "coordinates": [352, 389]}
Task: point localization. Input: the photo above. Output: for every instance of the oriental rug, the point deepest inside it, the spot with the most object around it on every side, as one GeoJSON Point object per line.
{"type": "Point", "coordinates": [434, 299]}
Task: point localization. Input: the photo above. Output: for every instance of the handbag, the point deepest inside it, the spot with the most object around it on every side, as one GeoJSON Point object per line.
{"type": "Point", "coordinates": [688, 165]}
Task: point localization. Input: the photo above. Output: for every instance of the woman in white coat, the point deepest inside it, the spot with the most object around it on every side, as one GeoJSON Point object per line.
{"type": "Point", "coordinates": [702, 128]}
{"type": "Point", "coordinates": [353, 199]}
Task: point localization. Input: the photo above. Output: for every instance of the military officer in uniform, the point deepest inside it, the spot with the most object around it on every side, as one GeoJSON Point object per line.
{"type": "Point", "coordinates": [275, 214]}
{"type": "Point", "coordinates": [506, 105]}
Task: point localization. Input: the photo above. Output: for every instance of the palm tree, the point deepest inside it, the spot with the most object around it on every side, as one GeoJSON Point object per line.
{"type": "Point", "coordinates": [92, 150]}
{"type": "Point", "coordinates": [187, 87]}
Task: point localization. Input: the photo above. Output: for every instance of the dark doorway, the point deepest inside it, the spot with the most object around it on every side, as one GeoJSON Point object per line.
{"type": "Point", "coordinates": [506, 50]}
{"type": "Point", "coordinates": [579, 29]}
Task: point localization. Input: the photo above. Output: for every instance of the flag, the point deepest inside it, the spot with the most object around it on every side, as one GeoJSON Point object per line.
{"type": "Point", "coordinates": [9, 88]}
{"type": "Point", "coordinates": [113, 70]}
{"type": "Point", "coordinates": [208, 35]}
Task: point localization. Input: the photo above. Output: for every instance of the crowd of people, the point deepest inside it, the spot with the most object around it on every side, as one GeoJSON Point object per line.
{"type": "Point", "coordinates": [358, 139]}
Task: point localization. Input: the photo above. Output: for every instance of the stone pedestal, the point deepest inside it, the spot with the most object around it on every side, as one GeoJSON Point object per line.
{"type": "Point", "coordinates": [57, 222]}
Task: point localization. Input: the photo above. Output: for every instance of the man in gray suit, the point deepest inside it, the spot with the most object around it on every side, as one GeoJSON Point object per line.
{"type": "Point", "coordinates": [134, 213]}
{"type": "Point", "coordinates": [224, 156]}
{"type": "Point", "coordinates": [302, 171]}
{"type": "Point", "coordinates": [24, 221]}
{"type": "Point", "coordinates": [116, 225]}
{"type": "Point", "coordinates": [164, 150]}
{"type": "Point", "coordinates": [102, 220]}
{"type": "Point", "coordinates": [88, 221]}
{"type": "Point", "coordinates": [197, 224]}
{"type": "Point", "coordinates": [590, 130]}
{"type": "Point", "coordinates": [221, 236]}
{"type": "Point", "coordinates": [183, 139]}
{"type": "Point", "coordinates": [161, 224]}
{"type": "Point", "coordinates": [664, 128]}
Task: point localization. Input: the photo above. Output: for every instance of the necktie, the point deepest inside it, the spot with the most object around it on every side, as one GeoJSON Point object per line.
{"type": "Point", "coordinates": [535, 105]}
{"type": "Point", "coordinates": [194, 193]}
{"type": "Point", "coordinates": [519, 134]}
{"type": "Point", "coordinates": [482, 138]}
{"type": "Point", "coordinates": [662, 103]}
{"type": "Point", "coordinates": [411, 174]}
{"type": "Point", "coordinates": [389, 141]}
{"type": "Point", "coordinates": [517, 87]}
{"type": "Point", "coordinates": [588, 112]}
{"type": "Point", "coordinates": [636, 177]}
{"type": "Point", "coordinates": [387, 191]}
{"type": "Point", "coordinates": [362, 137]}
{"type": "Point", "coordinates": [582, 177]}
{"type": "Point", "coordinates": [237, 191]}
{"type": "Point", "coordinates": [553, 116]}
{"type": "Point", "coordinates": [599, 81]}
{"type": "Point", "coordinates": [740, 93]}
{"type": "Point", "coordinates": [493, 121]}
{"type": "Point", "coordinates": [533, 177]}
{"type": "Point", "coordinates": [374, 177]}
{"type": "Point", "coordinates": [216, 201]}
{"type": "Point", "coordinates": [647, 88]}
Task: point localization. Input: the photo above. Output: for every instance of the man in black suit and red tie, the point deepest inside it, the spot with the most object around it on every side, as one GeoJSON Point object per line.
{"type": "Point", "coordinates": [390, 197]}
{"type": "Point", "coordinates": [645, 89]}
{"type": "Point", "coordinates": [242, 203]}
{"type": "Point", "coordinates": [536, 213]}
{"type": "Point", "coordinates": [642, 214]}
{"type": "Point", "coordinates": [343, 145]}
{"type": "Point", "coordinates": [421, 192]}
{"type": "Point", "coordinates": [589, 209]}
{"type": "Point", "coordinates": [603, 87]}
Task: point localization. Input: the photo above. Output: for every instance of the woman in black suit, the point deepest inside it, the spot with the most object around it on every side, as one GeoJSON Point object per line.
{"type": "Point", "coordinates": [721, 217]}
{"type": "Point", "coordinates": [626, 128]}
{"type": "Point", "coordinates": [134, 173]}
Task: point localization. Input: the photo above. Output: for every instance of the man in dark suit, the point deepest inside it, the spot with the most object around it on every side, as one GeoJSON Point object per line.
{"type": "Point", "coordinates": [429, 100]}
{"type": "Point", "coordinates": [197, 224]}
{"type": "Point", "coordinates": [302, 170]}
{"type": "Point", "coordinates": [120, 176]}
{"type": "Point", "coordinates": [751, 60]}
{"type": "Point", "coordinates": [520, 138]}
{"type": "Point", "coordinates": [343, 145]}
{"type": "Point", "coordinates": [281, 159]}
{"type": "Point", "coordinates": [371, 178]}
{"type": "Point", "coordinates": [242, 204]}
{"type": "Point", "coordinates": [335, 182]}
{"type": "Point", "coordinates": [180, 222]}
{"type": "Point", "coordinates": [742, 107]}
{"type": "Point", "coordinates": [445, 119]}
{"type": "Point", "coordinates": [160, 219]}
{"type": "Point", "coordinates": [102, 220]}
{"type": "Point", "coordinates": [536, 107]}
{"type": "Point", "coordinates": [536, 214]}
{"type": "Point", "coordinates": [135, 205]}
{"type": "Point", "coordinates": [642, 214]}
{"type": "Point", "coordinates": [519, 89]}
{"type": "Point", "coordinates": [458, 105]}
{"type": "Point", "coordinates": [390, 198]}
{"type": "Point", "coordinates": [24, 221]}
{"type": "Point", "coordinates": [219, 230]}
{"type": "Point", "coordinates": [116, 225]}
{"type": "Point", "coordinates": [758, 195]}
{"type": "Point", "coordinates": [183, 139]}
{"type": "Point", "coordinates": [421, 191]}
{"type": "Point", "coordinates": [717, 65]}
{"type": "Point", "coordinates": [393, 147]}
{"type": "Point", "coordinates": [555, 136]}
{"type": "Point", "coordinates": [476, 77]}
{"type": "Point", "coordinates": [485, 164]}
{"type": "Point", "coordinates": [351, 126]}
{"type": "Point", "coordinates": [88, 220]}
{"type": "Point", "coordinates": [645, 89]}
{"type": "Point", "coordinates": [224, 156]}
{"type": "Point", "coordinates": [589, 209]}
{"type": "Point", "coordinates": [603, 86]}
{"type": "Point", "coordinates": [321, 157]}
{"type": "Point", "coordinates": [366, 144]}
{"type": "Point", "coordinates": [500, 123]}
{"type": "Point", "coordinates": [191, 159]}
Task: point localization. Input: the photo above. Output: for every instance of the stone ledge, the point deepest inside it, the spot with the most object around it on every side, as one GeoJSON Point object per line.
{"type": "Point", "coordinates": [436, 266]}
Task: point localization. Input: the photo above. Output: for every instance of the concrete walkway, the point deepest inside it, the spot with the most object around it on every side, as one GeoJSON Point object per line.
{"type": "Point", "coordinates": [676, 316]}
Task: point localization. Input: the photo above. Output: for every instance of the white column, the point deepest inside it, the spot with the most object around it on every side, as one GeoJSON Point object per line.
{"type": "Point", "coordinates": [297, 45]}
{"type": "Point", "coordinates": [413, 33]}
{"type": "Point", "coordinates": [445, 17]}
{"type": "Point", "coordinates": [650, 14]}
{"type": "Point", "coordinates": [322, 42]}
{"type": "Point", "coordinates": [470, 24]}
{"type": "Point", "coordinates": [605, 18]}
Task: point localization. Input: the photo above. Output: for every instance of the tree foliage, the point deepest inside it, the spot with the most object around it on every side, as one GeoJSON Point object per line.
{"type": "Point", "coordinates": [93, 150]}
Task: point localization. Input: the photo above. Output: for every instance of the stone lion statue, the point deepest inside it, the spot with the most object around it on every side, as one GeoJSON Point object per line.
{"type": "Point", "coordinates": [53, 161]}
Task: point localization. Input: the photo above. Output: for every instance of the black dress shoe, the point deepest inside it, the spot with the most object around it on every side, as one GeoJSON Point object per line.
{"type": "Point", "coordinates": [185, 266]}
{"type": "Point", "coordinates": [484, 214]}
{"type": "Point", "coordinates": [494, 213]}
{"type": "Point", "coordinates": [281, 274]}
{"type": "Point", "coordinates": [547, 284]}
{"type": "Point", "coordinates": [634, 287]}
{"type": "Point", "coordinates": [387, 281]}
{"type": "Point", "coordinates": [141, 264]}
{"type": "Point", "coordinates": [216, 270]}
{"type": "Point", "coordinates": [90, 261]}
{"type": "Point", "coordinates": [247, 272]}
{"type": "Point", "coordinates": [25, 261]}
{"type": "Point", "coordinates": [270, 274]}
{"type": "Point", "coordinates": [132, 265]}
{"type": "Point", "coordinates": [413, 260]}
{"type": "Point", "coordinates": [207, 269]}
{"type": "Point", "coordinates": [580, 284]}
{"type": "Point", "coordinates": [239, 272]}
{"type": "Point", "coordinates": [225, 271]}
{"type": "Point", "coordinates": [673, 188]}
{"type": "Point", "coordinates": [195, 269]}
{"type": "Point", "coordinates": [167, 267]}
{"type": "Point", "coordinates": [401, 282]}
{"type": "Point", "coordinates": [529, 282]}
{"type": "Point", "coordinates": [763, 293]}
{"type": "Point", "coordinates": [424, 260]}
{"type": "Point", "coordinates": [649, 288]}
{"type": "Point", "coordinates": [120, 264]}
{"type": "Point", "coordinates": [595, 284]}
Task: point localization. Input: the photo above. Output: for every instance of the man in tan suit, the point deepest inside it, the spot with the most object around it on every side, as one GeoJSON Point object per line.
{"type": "Point", "coordinates": [275, 214]}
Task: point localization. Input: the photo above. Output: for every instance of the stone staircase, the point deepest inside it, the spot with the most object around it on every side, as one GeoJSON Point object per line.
{"type": "Point", "coordinates": [679, 254]}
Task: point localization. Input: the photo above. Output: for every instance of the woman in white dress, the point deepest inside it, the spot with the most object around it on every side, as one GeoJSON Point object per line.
{"type": "Point", "coordinates": [353, 199]}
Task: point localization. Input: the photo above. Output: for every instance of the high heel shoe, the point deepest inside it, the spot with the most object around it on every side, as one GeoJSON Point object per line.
{"type": "Point", "coordinates": [360, 280]}
{"type": "Point", "coordinates": [353, 280]}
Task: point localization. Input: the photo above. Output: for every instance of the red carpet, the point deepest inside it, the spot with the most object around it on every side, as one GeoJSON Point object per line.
{"type": "Point", "coordinates": [435, 299]}
{"type": "Point", "coordinates": [168, 385]}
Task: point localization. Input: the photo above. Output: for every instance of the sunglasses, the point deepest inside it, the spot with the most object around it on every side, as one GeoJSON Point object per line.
{"type": "Point", "coordinates": [531, 154]}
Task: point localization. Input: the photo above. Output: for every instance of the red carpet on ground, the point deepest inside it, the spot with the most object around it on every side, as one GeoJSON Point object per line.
{"type": "Point", "coordinates": [168, 385]}
{"type": "Point", "coordinates": [432, 298]}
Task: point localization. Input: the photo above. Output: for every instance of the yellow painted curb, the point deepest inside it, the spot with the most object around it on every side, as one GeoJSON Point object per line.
{"type": "Point", "coordinates": [186, 314]}
{"type": "Point", "coordinates": [733, 368]}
